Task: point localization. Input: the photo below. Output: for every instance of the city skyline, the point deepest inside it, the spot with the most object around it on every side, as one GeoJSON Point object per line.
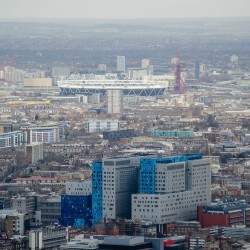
{"type": "Point", "coordinates": [111, 9]}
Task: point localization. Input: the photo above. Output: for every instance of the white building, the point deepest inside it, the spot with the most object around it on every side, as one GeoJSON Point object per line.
{"type": "Point", "coordinates": [138, 73]}
{"type": "Point", "coordinates": [121, 64]}
{"type": "Point", "coordinates": [102, 125]}
{"type": "Point", "coordinates": [60, 71]}
{"type": "Point", "coordinates": [174, 191]}
{"type": "Point", "coordinates": [119, 182]}
{"type": "Point", "coordinates": [115, 101]}
{"type": "Point", "coordinates": [76, 187]}
{"type": "Point", "coordinates": [24, 204]}
{"type": "Point", "coordinates": [234, 59]}
{"type": "Point", "coordinates": [102, 67]}
{"type": "Point", "coordinates": [145, 63]}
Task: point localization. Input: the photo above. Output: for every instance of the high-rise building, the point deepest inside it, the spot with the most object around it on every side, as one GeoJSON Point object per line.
{"type": "Point", "coordinates": [34, 153]}
{"type": "Point", "coordinates": [97, 191]}
{"type": "Point", "coordinates": [114, 181]}
{"type": "Point", "coordinates": [171, 189]}
{"type": "Point", "coordinates": [121, 64]}
{"type": "Point", "coordinates": [197, 70]}
{"type": "Point", "coordinates": [115, 102]}
{"type": "Point", "coordinates": [145, 63]}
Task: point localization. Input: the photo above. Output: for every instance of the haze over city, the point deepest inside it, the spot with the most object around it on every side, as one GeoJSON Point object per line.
{"type": "Point", "coordinates": [124, 9]}
{"type": "Point", "coordinates": [125, 124]}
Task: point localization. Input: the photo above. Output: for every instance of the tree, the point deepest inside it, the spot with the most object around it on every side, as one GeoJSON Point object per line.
{"type": "Point", "coordinates": [211, 121]}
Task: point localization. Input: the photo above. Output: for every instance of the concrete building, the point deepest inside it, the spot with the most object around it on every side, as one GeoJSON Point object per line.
{"type": "Point", "coordinates": [34, 153]}
{"type": "Point", "coordinates": [50, 209]}
{"type": "Point", "coordinates": [47, 238]}
{"type": "Point", "coordinates": [79, 187]}
{"type": "Point", "coordinates": [120, 64]}
{"type": "Point", "coordinates": [119, 182]}
{"type": "Point", "coordinates": [102, 67]}
{"type": "Point", "coordinates": [115, 102]}
{"type": "Point", "coordinates": [15, 222]}
{"type": "Point", "coordinates": [197, 70]}
{"type": "Point", "coordinates": [102, 125]}
{"type": "Point", "coordinates": [37, 82]}
{"type": "Point", "coordinates": [60, 71]}
{"type": "Point", "coordinates": [114, 181]}
{"type": "Point", "coordinates": [145, 63]}
{"type": "Point", "coordinates": [26, 205]}
{"type": "Point", "coordinates": [34, 180]}
{"type": "Point", "coordinates": [138, 73]}
{"type": "Point", "coordinates": [171, 189]}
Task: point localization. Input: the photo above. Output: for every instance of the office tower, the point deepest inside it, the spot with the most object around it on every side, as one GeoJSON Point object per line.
{"type": "Point", "coordinates": [197, 70]}
{"type": "Point", "coordinates": [171, 189]}
{"type": "Point", "coordinates": [121, 64]}
{"type": "Point", "coordinates": [145, 63]}
{"type": "Point", "coordinates": [115, 102]}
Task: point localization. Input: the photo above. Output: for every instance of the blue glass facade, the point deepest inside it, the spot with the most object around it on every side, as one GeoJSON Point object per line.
{"type": "Point", "coordinates": [76, 211]}
{"type": "Point", "coordinates": [13, 139]}
{"type": "Point", "coordinates": [97, 191]}
{"type": "Point", "coordinates": [147, 170]}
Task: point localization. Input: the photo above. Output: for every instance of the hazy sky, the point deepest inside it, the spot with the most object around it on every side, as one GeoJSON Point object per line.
{"type": "Point", "coordinates": [123, 8]}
